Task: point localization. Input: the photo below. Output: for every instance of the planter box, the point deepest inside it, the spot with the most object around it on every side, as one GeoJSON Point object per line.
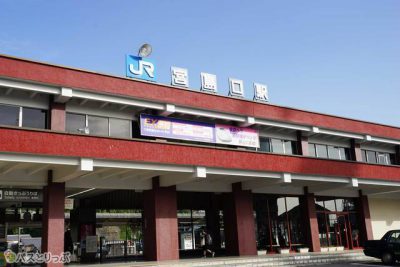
{"type": "Point", "coordinates": [303, 250]}
{"type": "Point", "coordinates": [325, 249]}
{"type": "Point", "coordinates": [283, 251]}
{"type": "Point", "coordinates": [339, 248]}
{"type": "Point", "coordinates": [261, 252]}
{"type": "Point", "coordinates": [331, 249]}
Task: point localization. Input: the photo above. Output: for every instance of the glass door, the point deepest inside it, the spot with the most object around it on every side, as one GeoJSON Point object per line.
{"type": "Point", "coordinates": [342, 232]}
{"type": "Point", "coordinates": [338, 230]}
{"type": "Point", "coordinates": [190, 224]}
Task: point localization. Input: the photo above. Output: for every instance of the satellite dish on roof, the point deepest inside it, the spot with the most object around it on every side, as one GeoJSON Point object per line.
{"type": "Point", "coordinates": [145, 50]}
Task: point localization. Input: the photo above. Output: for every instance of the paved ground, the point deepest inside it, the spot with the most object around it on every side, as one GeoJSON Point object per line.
{"type": "Point", "coordinates": [371, 264]}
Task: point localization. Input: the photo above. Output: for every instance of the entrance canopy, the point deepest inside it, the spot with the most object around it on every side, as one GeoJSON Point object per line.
{"type": "Point", "coordinates": [80, 174]}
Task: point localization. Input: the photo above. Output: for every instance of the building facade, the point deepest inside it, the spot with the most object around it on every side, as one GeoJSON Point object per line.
{"type": "Point", "coordinates": [312, 182]}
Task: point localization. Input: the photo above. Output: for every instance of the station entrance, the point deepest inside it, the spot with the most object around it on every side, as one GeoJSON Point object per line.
{"type": "Point", "coordinates": [105, 225]}
{"type": "Point", "coordinates": [116, 219]}
{"type": "Point", "coordinates": [279, 223]}
{"type": "Point", "coordinates": [198, 213]}
{"type": "Point", "coordinates": [338, 222]}
{"type": "Point", "coordinates": [21, 219]}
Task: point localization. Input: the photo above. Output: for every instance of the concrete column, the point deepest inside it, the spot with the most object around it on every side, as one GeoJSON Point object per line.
{"type": "Point", "coordinates": [160, 223]}
{"type": "Point", "coordinates": [53, 219]}
{"type": "Point", "coordinates": [355, 150]}
{"type": "Point", "coordinates": [57, 116]}
{"type": "Point", "coordinates": [310, 221]}
{"type": "Point", "coordinates": [302, 144]}
{"type": "Point", "coordinates": [364, 217]}
{"type": "Point", "coordinates": [239, 225]}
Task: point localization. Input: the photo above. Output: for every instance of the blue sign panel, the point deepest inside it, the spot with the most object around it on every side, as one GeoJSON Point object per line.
{"type": "Point", "coordinates": [137, 67]}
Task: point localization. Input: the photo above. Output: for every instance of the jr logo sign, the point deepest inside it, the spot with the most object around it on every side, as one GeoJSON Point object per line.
{"type": "Point", "coordinates": [137, 67]}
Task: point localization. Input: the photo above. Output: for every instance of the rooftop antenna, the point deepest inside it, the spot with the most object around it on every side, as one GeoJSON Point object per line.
{"type": "Point", "coordinates": [145, 50]}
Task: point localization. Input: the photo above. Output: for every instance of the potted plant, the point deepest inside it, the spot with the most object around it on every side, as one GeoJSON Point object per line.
{"type": "Point", "coordinates": [324, 249]}
{"type": "Point", "coordinates": [283, 250]}
{"type": "Point", "coordinates": [303, 249]}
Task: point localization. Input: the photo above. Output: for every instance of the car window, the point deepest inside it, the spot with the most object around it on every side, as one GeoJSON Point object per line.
{"type": "Point", "coordinates": [394, 237]}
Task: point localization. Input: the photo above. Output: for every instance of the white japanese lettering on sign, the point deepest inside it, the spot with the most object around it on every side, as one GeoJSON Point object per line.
{"type": "Point", "coordinates": [179, 77]}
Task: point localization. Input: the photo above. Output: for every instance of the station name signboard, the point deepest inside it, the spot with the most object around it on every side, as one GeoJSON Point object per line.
{"type": "Point", "coordinates": [157, 126]}
{"type": "Point", "coordinates": [24, 195]}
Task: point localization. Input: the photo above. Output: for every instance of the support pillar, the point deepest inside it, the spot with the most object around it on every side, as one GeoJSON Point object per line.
{"type": "Point", "coordinates": [160, 223]}
{"type": "Point", "coordinates": [355, 150]}
{"type": "Point", "coordinates": [302, 144]}
{"type": "Point", "coordinates": [239, 222]}
{"type": "Point", "coordinates": [364, 219]}
{"type": "Point", "coordinates": [53, 219]}
{"type": "Point", "coordinates": [57, 116]}
{"type": "Point", "coordinates": [310, 221]}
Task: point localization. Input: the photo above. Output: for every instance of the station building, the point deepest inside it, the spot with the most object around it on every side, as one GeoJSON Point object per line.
{"type": "Point", "coordinates": [314, 182]}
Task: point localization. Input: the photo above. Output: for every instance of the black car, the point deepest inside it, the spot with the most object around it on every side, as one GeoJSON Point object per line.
{"type": "Point", "coordinates": [387, 249]}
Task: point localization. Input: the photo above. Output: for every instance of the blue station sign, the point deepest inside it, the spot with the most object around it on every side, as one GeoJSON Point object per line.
{"type": "Point", "coordinates": [140, 68]}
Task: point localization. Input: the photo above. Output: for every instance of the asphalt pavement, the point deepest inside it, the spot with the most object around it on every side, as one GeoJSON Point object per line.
{"type": "Point", "coordinates": [366, 264]}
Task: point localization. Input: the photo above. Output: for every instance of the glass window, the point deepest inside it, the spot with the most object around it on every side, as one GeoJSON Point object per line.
{"type": "Point", "coordinates": [323, 235]}
{"type": "Point", "coordinates": [9, 115]}
{"type": "Point", "coordinates": [185, 229]}
{"type": "Point", "coordinates": [394, 237]}
{"type": "Point", "coordinates": [319, 205]}
{"type": "Point", "coordinates": [364, 155]}
{"type": "Point", "coordinates": [191, 224]}
{"type": "Point", "coordinates": [277, 146]}
{"type": "Point", "coordinates": [199, 224]}
{"type": "Point", "coordinates": [322, 151]}
{"type": "Point", "coordinates": [279, 222]}
{"type": "Point", "coordinates": [311, 150]}
{"type": "Point", "coordinates": [265, 144]}
{"type": "Point", "coordinates": [392, 158]}
{"type": "Point", "coordinates": [383, 158]}
{"type": "Point", "coordinates": [75, 123]}
{"type": "Point", "coordinates": [371, 156]}
{"type": "Point", "coordinates": [330, 205]}
{"type": "Point", "coordinates": [355, 232]}
{"type": "Point", "coordinates": [345, 204]}
{"type": "Point", "coordinates": [295, 149]}
{"type": "Point", "coordinates": [344, 153]}
{"type": "Point", "coordinates": [288, 147]}
{"type": "Point", "coordinates": [295, 221]}
{"type": "Point", "coordinates": [332, 230]}
{"type": "Point", "coordinates": [333, 152]}
{"type": "Point", "coordinates": [34, 118]}
{"type": "Point", "coordinates": [120, 128]}
{"type": "Point", "coordinates": [98, 125]}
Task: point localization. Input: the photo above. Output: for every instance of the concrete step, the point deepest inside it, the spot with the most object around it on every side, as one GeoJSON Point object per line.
{"type": "Point", "coordinates": [306, 259]}
{"type": "Point", "coordinates": [275, 260]}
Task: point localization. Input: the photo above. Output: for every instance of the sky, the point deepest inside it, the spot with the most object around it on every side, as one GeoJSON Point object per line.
{"type": "Point", "coordinates": [340, 57]}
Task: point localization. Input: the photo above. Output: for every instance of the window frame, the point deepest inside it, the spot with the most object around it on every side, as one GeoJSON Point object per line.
{"type": "Point", "coordinates": [21, 116]}
{"type": "Point", "coordinates": [342, 154]}
{"type": "Point", "coordinates": [108, 124]}
{"type": "Point", "coordinates": [387, 157]}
